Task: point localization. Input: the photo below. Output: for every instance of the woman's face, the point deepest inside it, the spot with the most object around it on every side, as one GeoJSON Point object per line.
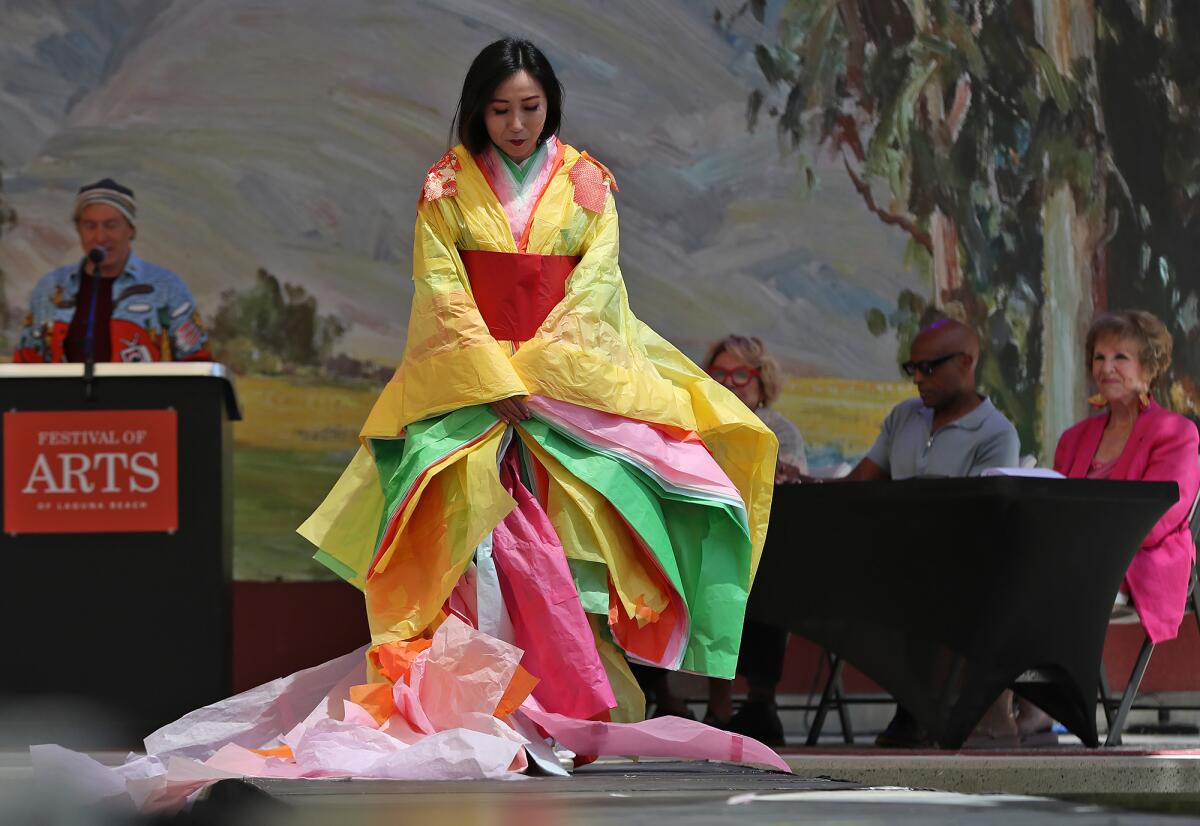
{"type": "Point", "coordinates": [516, 114]}
{"type": "Point", "coordinates": [1117, 370]}
{"type": "Point", "coordinates": [728, 366]}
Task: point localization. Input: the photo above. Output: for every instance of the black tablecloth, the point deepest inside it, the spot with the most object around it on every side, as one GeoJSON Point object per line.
{"type": "Point", "coordinates": [946, 591]}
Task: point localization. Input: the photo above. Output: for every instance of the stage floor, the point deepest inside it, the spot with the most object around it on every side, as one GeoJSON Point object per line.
{"type": "Point", "coordinates": [670, 792]}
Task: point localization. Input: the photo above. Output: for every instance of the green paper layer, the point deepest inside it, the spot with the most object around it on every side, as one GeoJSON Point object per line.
{"type": "Point", "coordinates": [591, 581]}
{"type": "Point", "coordinates": [401, 462]}
{"type": "Point", "coordinates": [701, 545]}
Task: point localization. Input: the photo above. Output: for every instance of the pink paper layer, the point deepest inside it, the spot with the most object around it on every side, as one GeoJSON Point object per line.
{"type": "Point", "coordinates": [660, 737]}
{"type": "Point", "coordinates": [685, 464]}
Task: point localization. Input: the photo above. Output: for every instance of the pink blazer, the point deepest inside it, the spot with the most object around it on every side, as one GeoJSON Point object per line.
{"type": "Point", "coordinates": [1162, 447]}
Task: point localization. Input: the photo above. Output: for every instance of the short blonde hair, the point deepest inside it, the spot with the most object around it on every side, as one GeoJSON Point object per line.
{"type": "Point", "coordinates": [1153, 340]}
{"type": "Point", "coordinates": [750, 350]}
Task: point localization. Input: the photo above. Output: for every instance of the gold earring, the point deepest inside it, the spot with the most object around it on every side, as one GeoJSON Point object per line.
{"type": "Point", "coordinates": [1097, 400]}
{"type": "Point", "coordinates": [1144, 399]}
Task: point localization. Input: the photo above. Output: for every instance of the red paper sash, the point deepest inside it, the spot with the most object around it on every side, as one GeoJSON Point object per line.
{"type": "Point", "coordinates": [515, 291]}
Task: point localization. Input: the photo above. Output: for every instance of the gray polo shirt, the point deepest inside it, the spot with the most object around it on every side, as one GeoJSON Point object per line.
{"type": "Point", "coordinates": [968, 446]}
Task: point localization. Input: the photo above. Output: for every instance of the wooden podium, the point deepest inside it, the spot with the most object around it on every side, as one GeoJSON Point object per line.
{"type": "Point", "coordinates": [117, 541]}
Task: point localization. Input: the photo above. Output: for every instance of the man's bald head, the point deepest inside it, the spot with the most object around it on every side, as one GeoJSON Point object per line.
{"type": "Point", "coordinates": [947, 336]}
{"type": "Point", "coordinates": [945, 354]}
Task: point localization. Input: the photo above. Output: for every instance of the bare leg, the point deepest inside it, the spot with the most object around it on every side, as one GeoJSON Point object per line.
{"type": "Point", "coordinates": [998, 723]}
{"type": "Point", "coordinates": [666, 703]}
{"type": "Point", "coordinates": [1032, 720]}
{"type": "Point", "coordinates": [720, 701]}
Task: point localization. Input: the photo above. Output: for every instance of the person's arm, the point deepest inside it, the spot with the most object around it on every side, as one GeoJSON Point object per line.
{"type": "Point", "coordinates": [1174, 458]}
{"type": "Point", "coordinates": [1062, 452]}
{"type": "Point", "coordinates": [792, 463]}
{"type": "Point", "coordinates": [189, 341]}
{"type": "Point", "coordinates": [438, 273]}
{"type": "Point", "coordinates": [875, 466]}
{"type": "Point", "coordinates": [512, 410]}
{"type": "Point", "coordinates": [791, 446]}
{"type": "Point", "coordinates": [31, 349]}
{"type": "Point", "coordinates": [1001, 449]}
{"type": "Point", "coordinates": [865, 471]}
{"type": "Point", "coordinates": [591, 350]}
{"type": "Point", "coordinates": [451, 360]}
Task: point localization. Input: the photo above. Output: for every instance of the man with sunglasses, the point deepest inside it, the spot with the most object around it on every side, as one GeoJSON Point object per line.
{"type": "Point", "coordinates": [950, 430]}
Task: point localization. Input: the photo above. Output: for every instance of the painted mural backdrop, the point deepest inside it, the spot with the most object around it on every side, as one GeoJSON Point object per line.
{"type": "Point", "coordinates": [816, 172]}
{"type": "Point", "coordinates": [1041, 156]}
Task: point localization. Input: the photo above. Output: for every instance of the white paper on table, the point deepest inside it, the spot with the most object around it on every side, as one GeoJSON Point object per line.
{"type": "Point", "coordinates": [1031, 472]}
{"type": "Point", "coordinates": [830, 471]}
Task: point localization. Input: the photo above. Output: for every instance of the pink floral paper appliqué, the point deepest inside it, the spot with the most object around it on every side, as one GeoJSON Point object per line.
{"type": "Point", "coordinates": [442, 181]}
{"type": "Point", "coordinates": [591, 184]}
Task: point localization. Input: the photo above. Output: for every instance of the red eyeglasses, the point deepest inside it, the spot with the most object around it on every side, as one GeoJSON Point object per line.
{"type": "Point", "coordinates": [738, 377]}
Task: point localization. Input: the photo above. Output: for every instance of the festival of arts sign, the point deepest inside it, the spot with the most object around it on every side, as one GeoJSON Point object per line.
{"type": "Point", "coordinates": [99, 471]}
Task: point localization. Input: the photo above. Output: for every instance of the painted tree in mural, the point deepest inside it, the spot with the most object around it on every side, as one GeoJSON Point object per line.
{"type": "Point", "coordinates": [969, 125]}
{"type": "Point", "coordinates": [1149, 79]}
{"type": "Point", "coordinates": [273, 326]}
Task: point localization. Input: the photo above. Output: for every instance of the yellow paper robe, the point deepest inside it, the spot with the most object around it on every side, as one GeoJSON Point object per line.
{"type": "Point", "coordinates": [591, 350]}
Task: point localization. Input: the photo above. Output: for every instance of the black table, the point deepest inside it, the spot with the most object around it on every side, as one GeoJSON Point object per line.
{"type": "Point", "coordinates": [947, 591]}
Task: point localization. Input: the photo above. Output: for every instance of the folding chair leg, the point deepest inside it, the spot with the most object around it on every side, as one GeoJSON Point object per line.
{"type": "Point", "coordinates": [835, 673]}
{"type": "Point", "coordinates": [1194, 597]}
{"type": "Point", "coordinates": [1106, 700]}
{"type": "Point", "coordinates": [1131, 690]}
{"type": "Point", "coordinates": [839, 697]}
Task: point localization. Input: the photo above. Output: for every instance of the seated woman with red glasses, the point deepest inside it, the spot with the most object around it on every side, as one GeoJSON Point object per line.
{"type": "Point", "coordinates": [744, 367]}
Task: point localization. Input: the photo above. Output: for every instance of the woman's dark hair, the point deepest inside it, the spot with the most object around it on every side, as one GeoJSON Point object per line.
{"type": "Point", "coordinates": [491, 67]}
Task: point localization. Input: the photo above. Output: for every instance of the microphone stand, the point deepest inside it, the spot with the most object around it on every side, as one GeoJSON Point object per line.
{"type": "Point", "coordinates": [96, 258]}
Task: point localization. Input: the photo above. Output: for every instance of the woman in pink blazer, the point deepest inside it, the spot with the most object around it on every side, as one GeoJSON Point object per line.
{"type": "Point", "coordinates": [1131, 437]}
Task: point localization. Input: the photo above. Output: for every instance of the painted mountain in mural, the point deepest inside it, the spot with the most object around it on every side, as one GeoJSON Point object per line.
{"type": "Point", "coordinates": [294, 137]}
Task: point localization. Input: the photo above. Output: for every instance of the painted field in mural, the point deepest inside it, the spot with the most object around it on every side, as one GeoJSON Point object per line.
{"type": "Point", "coordinates": [821, 174]}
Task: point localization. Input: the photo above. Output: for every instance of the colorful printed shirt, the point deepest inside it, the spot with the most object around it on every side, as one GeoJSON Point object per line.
{"type": "Point", "coordinates": [154, 317]}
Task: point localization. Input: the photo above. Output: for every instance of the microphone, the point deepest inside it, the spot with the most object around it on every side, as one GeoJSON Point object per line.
{"type": "Point", "coordinates": [96, 256]}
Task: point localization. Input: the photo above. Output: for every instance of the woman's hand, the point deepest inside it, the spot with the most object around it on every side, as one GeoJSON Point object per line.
{"type": "Point", "coordinates": [785, 472]}
{"type": "Point", "coordinates": [790, 474]}
{"type": "Point", "coordinates": [511, 410]}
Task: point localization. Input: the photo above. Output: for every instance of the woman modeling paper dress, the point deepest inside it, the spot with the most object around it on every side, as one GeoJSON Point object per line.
{"type": "Point", "coordinates": [543, 466]}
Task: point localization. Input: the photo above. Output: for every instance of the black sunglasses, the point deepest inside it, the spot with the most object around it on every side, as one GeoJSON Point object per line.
{"type": "Point", "coordinates": [928, 366]}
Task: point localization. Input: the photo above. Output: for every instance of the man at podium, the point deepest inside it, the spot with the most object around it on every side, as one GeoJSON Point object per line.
{"type": "Point", "coordinates": [112, 305]}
